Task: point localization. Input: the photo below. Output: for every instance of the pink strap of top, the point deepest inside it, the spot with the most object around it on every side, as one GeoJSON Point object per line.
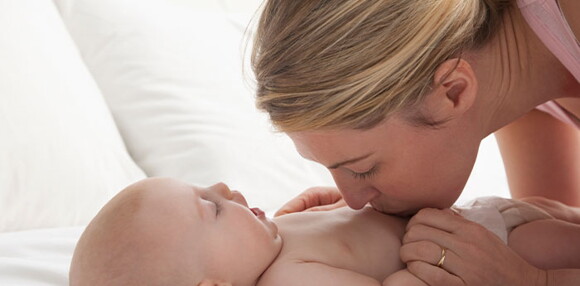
{"type": "Point", "coordinates": [547, 21]}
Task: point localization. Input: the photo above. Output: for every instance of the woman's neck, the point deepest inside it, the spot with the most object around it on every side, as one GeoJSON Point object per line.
{"type": "Point", "coordinates": [516, 73]}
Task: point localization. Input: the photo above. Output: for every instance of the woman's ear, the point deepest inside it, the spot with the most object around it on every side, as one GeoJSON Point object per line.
{"type": "Point", "coordinates": [212, 282]}
{"type": "Point", "coordinates": [453, 93]}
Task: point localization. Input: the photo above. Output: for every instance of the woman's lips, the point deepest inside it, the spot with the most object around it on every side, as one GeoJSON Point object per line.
{"type": "Point", "coordinates": [257, 212]}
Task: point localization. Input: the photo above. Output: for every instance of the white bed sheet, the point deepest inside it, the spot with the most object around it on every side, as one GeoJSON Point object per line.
{"type": "Point", "coordinates": [37, 257]}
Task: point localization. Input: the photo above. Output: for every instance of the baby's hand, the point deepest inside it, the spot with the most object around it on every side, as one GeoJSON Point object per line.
{"type": "Point", "coordinates": [403, 278]}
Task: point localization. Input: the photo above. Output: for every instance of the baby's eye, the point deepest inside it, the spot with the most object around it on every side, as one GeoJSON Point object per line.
{"type": "Point", "coordinates": [218, 207]}
{"type": "Point", "coordinates": [215, 202]}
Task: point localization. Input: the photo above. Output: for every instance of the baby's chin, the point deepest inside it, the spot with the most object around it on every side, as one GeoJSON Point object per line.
{"type": "Point", "coordinates": [269, 224]}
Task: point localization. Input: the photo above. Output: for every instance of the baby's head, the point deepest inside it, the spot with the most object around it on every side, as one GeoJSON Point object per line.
{"type": "Point", "coordinates": [161, 231]}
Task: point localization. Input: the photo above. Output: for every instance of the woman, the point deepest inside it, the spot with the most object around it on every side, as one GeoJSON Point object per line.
{"type": "Point", "coordinates": [395, 96]}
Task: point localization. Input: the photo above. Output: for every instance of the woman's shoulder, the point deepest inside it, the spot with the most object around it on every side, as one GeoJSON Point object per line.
{"type": "Point", "coordinates": [557, 25]}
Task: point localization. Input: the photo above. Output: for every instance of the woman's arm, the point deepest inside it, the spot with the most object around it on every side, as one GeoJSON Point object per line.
{"type": "Point", "coordinates": [542, 158]}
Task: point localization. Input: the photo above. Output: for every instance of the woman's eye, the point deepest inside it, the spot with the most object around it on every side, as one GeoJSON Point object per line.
{"type": "Point", "coordinates": [366, 175]}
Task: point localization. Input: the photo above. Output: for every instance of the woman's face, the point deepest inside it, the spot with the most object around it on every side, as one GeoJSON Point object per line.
{"type": "Point", "coordinates": [398, 167]}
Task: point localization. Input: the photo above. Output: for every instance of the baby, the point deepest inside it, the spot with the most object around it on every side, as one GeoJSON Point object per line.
{"type": "Point", "coordinates": [161, 231]}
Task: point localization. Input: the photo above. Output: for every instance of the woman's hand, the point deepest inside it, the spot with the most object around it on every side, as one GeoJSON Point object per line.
{"type": "Point", "coordinates": [473, 255]}
{"type": "Point", "coordinates": [313, 199]}
{"type": "Point", "coordinates": [555, 208]}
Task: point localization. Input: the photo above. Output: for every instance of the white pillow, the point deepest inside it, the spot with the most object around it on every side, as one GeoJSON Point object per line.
{"type": "Point", "coordinates": [172, 76]}
{"type": "Point", "coordinates": [61, 156]}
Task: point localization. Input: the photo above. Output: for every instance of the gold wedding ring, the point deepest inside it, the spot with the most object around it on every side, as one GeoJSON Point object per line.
{"type": "Point", "coordinates": [442, 259]}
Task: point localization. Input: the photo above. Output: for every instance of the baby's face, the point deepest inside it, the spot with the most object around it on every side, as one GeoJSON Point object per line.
{"type": "Point", "coordinates": [211, 230]}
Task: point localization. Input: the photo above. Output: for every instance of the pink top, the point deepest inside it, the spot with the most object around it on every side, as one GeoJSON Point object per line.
{"type": "Point", "coordinates": [548, 22]}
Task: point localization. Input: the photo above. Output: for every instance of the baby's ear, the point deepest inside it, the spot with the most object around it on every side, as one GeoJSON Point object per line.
{"type": "Point", "coordinates": [211, 282]}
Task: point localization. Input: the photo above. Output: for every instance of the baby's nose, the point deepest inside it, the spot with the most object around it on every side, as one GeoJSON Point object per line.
{"type": "Point", "coordinates": [222, 189]}
{"type": "Point", "coordinates": [239, 198]}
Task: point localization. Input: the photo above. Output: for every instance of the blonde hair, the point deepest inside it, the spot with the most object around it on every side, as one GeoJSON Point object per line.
{"type": "Point", "coordinates": [352, 63]}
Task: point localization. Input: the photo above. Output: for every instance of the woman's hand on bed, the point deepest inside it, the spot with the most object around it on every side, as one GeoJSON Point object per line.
{"type": "Point", "coordinates": [473, 255]}
{"type": "Point", "coordinates": [313, 199]}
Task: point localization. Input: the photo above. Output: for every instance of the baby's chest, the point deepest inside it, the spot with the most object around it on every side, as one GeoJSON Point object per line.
{"type": "Point", "coordinates": [368, 253]}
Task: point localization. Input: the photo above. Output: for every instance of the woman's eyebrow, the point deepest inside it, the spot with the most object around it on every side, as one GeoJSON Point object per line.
{"type": "Point", "coordinates": [349, 161]}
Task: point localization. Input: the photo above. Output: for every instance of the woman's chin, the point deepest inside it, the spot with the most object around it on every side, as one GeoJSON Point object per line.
{"type": "Point", "coordinates": [396, 210]}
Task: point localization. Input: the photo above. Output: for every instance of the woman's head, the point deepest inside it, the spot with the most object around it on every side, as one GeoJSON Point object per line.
{"type": "Point", "coordinates": [351, 78]}
{"type": "Point", "coordinates": [352, 63]}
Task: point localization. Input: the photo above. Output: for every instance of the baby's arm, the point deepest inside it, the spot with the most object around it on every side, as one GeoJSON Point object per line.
{"type": "Point", "coordinates": [403, 278]}
{"type": "Point", "coordinates": [314, 274]}
{"type": "Point", "coordinates": [547, 244]}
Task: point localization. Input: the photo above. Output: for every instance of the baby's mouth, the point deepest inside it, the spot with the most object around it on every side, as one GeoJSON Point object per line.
{"type": "Point", "coordinates": [257, 212]}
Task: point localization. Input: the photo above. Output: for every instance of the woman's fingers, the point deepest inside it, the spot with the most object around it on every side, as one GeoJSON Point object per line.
{"type": "Point", "coordinates": [423, 232]}
{"type": "Point", "coordinates": [323, 198]}
{"type": "Point", "coordinates": [339, 204]}
{"type": "Point", "coordinates": [297, 204]}
{"type": "Point", "coordinates": [433, 246]}
{"type": "Point", "coordinates": [555, 208]}
{"type": "Point", "coordinates": [446, 219]}
{"type": "Point", "coordinates": [431, 253]}
{"type": "Point", "coordinates": [472, 253]}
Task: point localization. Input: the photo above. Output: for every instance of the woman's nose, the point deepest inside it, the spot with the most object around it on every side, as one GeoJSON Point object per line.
{"type": "Point", "coordinates": [357, 198]}
{"type": "Point", "coordinates": [355, 194]}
